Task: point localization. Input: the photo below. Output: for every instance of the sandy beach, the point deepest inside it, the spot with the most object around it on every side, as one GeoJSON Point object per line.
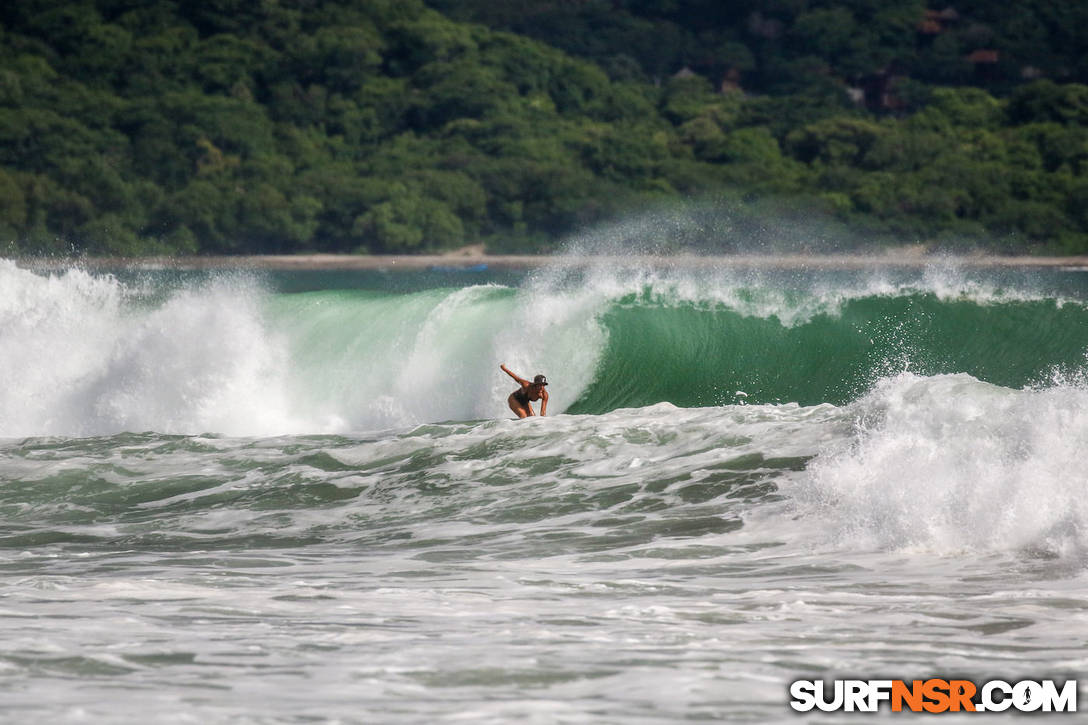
{"type": "Point", "coordinates": [895, 258]}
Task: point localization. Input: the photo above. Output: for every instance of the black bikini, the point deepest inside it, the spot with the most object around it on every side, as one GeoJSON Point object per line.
{"type": "Point", "coordinates": [521, 396]}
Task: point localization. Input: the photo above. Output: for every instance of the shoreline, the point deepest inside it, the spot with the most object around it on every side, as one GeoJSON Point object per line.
{"type": "Point", "coordinates": [481, 262]}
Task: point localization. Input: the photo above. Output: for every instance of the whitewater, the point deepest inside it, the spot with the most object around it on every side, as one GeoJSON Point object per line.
{"type": "Point", "coordinates": [296, 496]}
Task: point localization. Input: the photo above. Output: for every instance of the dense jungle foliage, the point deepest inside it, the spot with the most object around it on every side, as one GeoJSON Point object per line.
{"type": "Point", "coordinates": [281, 126]}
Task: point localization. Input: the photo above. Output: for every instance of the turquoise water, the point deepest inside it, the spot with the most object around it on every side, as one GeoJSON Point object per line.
{"type": "Point", "coordinates": [299, 496]}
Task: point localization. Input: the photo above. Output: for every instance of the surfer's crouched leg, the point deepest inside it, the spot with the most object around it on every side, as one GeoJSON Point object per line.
{"type": "Point", "coordinates": [519, 409]}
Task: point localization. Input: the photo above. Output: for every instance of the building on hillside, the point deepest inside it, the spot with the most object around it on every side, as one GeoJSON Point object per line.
{"type": "Point", "coordinates": [985, 62]}
{"type": "Point", "coordinates": [935, 22]}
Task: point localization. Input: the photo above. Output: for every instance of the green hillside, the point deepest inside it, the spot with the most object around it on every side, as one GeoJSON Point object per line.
{"type": "Point", "coordinates": [385, 126]}
{"type": "Point", "coordinates": [782, 46]}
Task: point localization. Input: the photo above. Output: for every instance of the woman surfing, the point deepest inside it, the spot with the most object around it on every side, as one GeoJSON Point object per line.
{"type": "Point", "coordinates": [519, 400]}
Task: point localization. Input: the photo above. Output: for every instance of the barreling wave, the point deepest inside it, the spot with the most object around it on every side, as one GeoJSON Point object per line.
{"type": "Point", "coordinates": [88, 354]}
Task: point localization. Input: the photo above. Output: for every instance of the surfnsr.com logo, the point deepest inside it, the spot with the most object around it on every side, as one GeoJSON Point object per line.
{"type": "Point", "coordinates": [933, 695]}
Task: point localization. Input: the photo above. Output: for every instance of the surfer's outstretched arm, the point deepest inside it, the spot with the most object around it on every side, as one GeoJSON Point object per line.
{"type": "Point", "coordinates": [521, 381]}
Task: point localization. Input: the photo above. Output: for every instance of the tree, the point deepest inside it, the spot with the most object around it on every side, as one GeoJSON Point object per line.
{"type": "Point", "coordinates": [1047, 101]}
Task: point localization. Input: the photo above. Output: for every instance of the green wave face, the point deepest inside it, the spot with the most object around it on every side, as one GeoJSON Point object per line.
{"type": "Point", "coordinates": [698, 355]}
{"type": "Point", "coordinates": [96, 355]}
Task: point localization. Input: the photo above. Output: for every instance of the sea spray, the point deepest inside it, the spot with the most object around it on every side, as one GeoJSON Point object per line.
{"type": "Point", "coordinates": [53, 331]}
{"type": "Point", "coordinates": [950, 463]}
{"type": "Point", "coordinates": [85, 357]}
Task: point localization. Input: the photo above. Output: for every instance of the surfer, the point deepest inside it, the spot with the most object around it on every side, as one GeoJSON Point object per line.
{"type": "Point", "coordinates": [519, 399]}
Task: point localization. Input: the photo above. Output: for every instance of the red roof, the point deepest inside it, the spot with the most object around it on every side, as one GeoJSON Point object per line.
{"type": "Point", "coordinates": [983, 56]}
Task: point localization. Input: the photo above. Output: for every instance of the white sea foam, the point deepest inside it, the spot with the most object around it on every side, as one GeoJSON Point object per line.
{"type": "Point", "coordinates": [87, 355]}
{"type": "Point", "coordinates": [949, 463]}
{"type": "Point", "coordinates": [84, 359]}
{"type": "Point", "coordinates": [50, 328]}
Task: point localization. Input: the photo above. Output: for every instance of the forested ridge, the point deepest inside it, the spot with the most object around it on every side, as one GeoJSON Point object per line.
{"type": "Point", "coordinates": [391, 126]}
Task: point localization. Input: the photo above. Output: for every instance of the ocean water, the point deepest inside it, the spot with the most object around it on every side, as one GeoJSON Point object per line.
{"type": "Point", "coordinates": [299, 497]}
